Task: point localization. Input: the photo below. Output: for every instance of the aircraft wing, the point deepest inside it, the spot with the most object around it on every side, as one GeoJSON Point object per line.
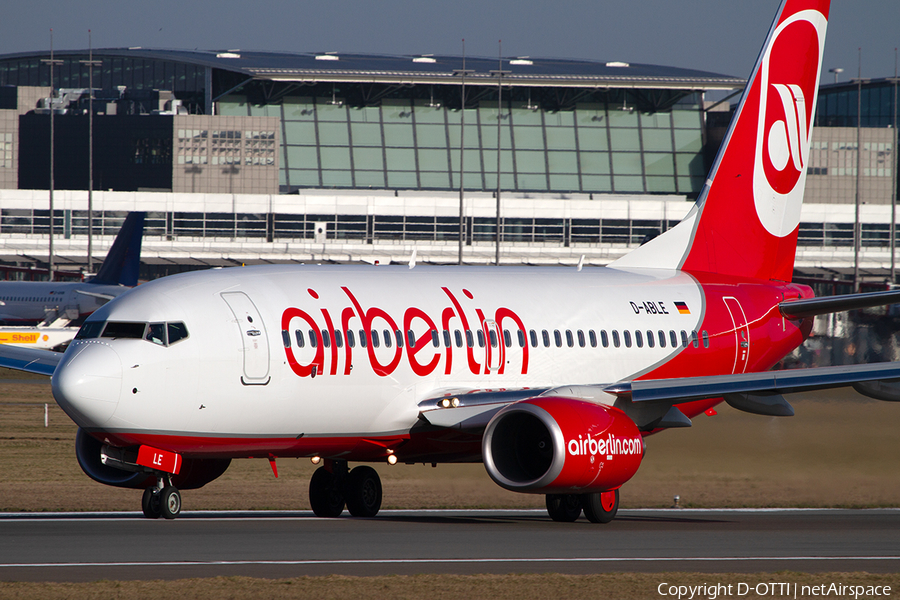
{"type": "Point", "coordinates": [32, 360]}
{"type": "Point", "coordinates": [469, 410]}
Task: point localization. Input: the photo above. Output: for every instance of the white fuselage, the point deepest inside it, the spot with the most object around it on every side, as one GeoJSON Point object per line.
{"type": "Point", "coordinates": [234, 375]}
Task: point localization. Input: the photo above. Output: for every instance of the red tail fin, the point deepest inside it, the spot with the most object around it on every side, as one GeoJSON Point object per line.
{"type": "Point", "coordinates": [747, 216]}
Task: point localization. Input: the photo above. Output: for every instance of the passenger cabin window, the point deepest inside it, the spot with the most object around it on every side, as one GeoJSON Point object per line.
{"type": "Point", "coordinates": [374, 339]}
{"type": "Point", "coordinates": [581, 338]}
{"type": "Point", "coordinates": [673, 338]}
{"type": "Point", "coordinates": [493, 335]}
{"type": "Point", "coordinates": [338, 339]}
{"type": "Point", "coordinates": [399, 335]}
{"type": "Point", "coordinates": [593, 337]}
{"type": "Point", "coordinates": [457, 336]}
{"type": "Point", "coordinates": [435, 340]}
{"type": "Point", "coordinates": [313, 339]}
{"type": "Point", "coordinates": [694, 340]}
{"type": "Point", "coordinates": [507, 339]}
{"type": "Point", "coordinates": [662, 338]}
{"type": "Point", "coordinates": [350, 339]}
{"type": "Point", "coordinates": [638, 339]}
{"type": "Point", "coordinates": [298, 335]}
{"type": "Point", "coordinates": [480, 335]}
{"type": "Point", "coordinates": [521, 335]}
{"type": "Point", "coordinates": [570, 341]}
{"type": "Point", "coordinates": [285, 338]}
{"type": "Point", "coordinates": [615, 337]}
{"type": "Point", "coordinates": [627, 336]}
{"type": "Point", "coordinates": [650, 340]}
{"type": "Point", "coordinates": [533, 335]}
{"type": "Point", "coordinates": [363, 339]}
{"type": "Point", "coordinates": [326, 339]}
{"type": "Point", "coordinates": [705, 339]}
{"type": "Point", "coordinates": [446, 339]}
{"type": "Point", "coordinates": [546, 335]}
{"type": "Point", "coordinates": [684, 339]}
{"type": "Point", "coordinates": [469, 341]}
{"type": "Point", "coordinates": [387, 338]}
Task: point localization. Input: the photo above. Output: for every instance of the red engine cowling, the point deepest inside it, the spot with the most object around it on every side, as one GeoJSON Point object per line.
{"type": "Point", "coordinates": [561, 446]}
{"type": "Point", "coordinates": [194, 473]}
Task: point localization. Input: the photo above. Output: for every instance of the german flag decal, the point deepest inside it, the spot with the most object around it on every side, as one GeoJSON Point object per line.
{"type": "Point", "coordinates": [682, 308]}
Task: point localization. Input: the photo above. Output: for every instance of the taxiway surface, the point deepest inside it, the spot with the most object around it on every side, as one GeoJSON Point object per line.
{"type": "Point", "coordinates": [121, 546]}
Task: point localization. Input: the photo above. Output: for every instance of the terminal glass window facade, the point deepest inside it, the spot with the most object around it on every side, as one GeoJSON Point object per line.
{"type": "Point", "coordinates": [617, 145]}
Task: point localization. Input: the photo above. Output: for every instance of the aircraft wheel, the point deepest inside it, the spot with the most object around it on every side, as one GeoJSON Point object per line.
{"type": "Point", "coordinates": [564, 508]}
{"type": "Point", "coordinates": [170, 502]}
{"type": "Point", "coordinates": [325, 496]}
{"type": "Point", "coordinates": [364, 492]}
{"type": "Point", "coordinates": [602, 507]}
{"type": "Point", "coordinates": [150, 503]}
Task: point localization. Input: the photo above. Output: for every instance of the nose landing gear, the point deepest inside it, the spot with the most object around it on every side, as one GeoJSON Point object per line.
{"type": "Point", "coordinates": [161, 500]}
{"type": "Point", "coordinates": [332, 487]}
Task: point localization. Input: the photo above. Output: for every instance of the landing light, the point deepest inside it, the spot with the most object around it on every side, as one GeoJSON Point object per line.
{"type": "Point", "coordinates": [315, 460]}
{"type": "Point", "coordinates": [392, 459]}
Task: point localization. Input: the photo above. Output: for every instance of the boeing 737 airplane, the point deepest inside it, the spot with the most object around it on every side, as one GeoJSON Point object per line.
{"type": "Point", "coordinates": [29, 303]}
{"type": "Point", "coordinates": [552, 377]}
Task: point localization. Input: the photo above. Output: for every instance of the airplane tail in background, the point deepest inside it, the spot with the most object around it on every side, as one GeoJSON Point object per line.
{"type": "Point", "coordinates": [123, 261]}
{"type": "Point", "coordinates": [746, 219]}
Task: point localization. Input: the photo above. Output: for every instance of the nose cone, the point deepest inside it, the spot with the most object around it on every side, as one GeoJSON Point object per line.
{"type": "Point", "coordinates": [88, 382]}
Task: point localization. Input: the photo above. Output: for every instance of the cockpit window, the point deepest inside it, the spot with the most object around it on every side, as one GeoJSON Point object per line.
{"type": "Point", "coordinates": [177, 332]}
{"type": "Point", "coordinates": [91, 329]}
{"type": "Point", "coordinates": [156, 333]}
{"type": "Point", "coordinates": [116, 329]}
{"type": "Point", "coordinates": [163, 334]}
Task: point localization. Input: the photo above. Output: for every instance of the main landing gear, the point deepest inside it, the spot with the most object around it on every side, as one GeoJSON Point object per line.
{"type": "Point", "coordinates": [161, 500]}
{"type": "Point", "coordinates": [332, 487]}
{"type": "Point", "coordinates": [598, 508]}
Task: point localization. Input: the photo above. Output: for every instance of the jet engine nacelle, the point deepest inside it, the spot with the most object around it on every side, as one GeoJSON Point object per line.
{"type": "Point", "coordinates": [561, 446]}
{"type": "Point", "coordinates": [194, 473]}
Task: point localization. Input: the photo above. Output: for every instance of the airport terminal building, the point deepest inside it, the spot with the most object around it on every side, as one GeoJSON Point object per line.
{"type": "Point", "coordinates": [261, 157]}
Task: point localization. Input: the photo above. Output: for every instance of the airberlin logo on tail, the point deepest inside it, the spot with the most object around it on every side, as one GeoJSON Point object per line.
{"type": "Point", "coordinates": [608, 446]}
{"type": "Point", "coordinates": [787, 83]}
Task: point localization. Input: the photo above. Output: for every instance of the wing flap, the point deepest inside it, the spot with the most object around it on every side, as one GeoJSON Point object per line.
{"type": "Point", "coordinates": [688, 389]}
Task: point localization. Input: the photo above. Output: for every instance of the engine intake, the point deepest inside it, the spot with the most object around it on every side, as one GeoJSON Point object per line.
{"type": "Point", "coordinates": [561, 445]}
{"type": "Point", "coordinates": [119, 470]}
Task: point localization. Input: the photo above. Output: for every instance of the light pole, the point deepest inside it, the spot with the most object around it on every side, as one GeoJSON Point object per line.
{"type": "Point", "coordinates": [837, 71]}
{"type": "Point", "coordinates": [499, 74]}
{"type": "Point", "coordinates": [52, 63]}
{"type": "Point", "coordinates": [91, 63]}
{"type": "Point", "coordinates": [462, 147]}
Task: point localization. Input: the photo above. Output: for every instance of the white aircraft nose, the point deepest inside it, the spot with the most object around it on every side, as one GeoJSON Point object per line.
{"type": "Point", "coordinates": [87, 384]}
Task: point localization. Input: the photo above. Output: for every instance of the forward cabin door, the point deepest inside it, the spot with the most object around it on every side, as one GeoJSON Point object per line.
{"type": "Point", "coordinates": [254, 341]}
{"type": "Point", "coordinates": [741, 334]}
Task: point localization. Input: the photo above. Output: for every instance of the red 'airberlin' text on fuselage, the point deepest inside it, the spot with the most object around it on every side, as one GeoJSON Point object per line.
{"type": "Point", "coordinates": [423, 356]}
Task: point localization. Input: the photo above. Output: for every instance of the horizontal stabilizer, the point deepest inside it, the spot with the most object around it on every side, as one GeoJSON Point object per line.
{"type": "Point", "coordinates": [773, 405]}
{"type": "Point", "coordinates": [798, 309]}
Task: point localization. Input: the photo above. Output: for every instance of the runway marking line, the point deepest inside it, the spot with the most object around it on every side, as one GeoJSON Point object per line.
{"type": "Point", "coordinates": [231, 563]}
